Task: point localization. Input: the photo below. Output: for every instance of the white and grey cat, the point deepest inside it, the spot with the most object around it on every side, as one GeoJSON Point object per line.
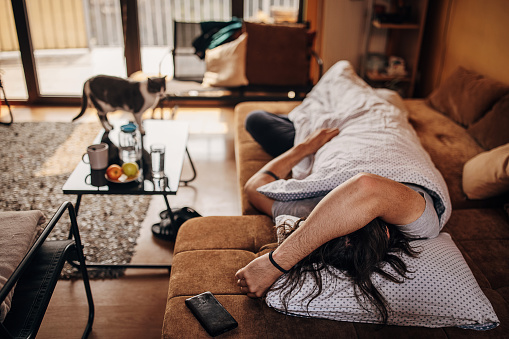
{"type": "Point", "coordinates": [108, 94]}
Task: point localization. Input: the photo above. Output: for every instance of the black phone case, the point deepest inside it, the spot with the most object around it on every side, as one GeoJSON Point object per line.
{"type": "Point", "coordinates": [211, 314]}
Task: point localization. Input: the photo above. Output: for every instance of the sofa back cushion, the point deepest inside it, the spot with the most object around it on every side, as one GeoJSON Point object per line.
{"type": "Point", "coordinates": [277, 55]}
{"type": "Point", "coordinates": [226, 64]}
{"type": "Point", "coordinates": [492, 130]}
{"type": "Point", "coordinates": [466, 96]}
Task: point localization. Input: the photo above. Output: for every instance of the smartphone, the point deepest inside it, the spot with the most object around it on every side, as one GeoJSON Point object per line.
{"type": "Point", "coordinates": [211, 314]}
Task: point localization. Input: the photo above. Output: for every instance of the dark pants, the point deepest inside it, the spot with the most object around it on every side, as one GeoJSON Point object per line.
{"type": "Point", "coordinates": [275, 133]}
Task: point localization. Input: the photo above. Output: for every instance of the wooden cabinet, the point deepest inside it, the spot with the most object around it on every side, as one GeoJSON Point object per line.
{"type": "Point", "coordinates": [393, 29]}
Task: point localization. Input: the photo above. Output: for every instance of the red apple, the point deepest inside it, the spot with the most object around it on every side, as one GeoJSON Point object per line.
{"type": "Point", "coordinates": [114, 172]}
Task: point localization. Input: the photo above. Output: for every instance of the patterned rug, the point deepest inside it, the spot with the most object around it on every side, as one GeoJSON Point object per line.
{"type": "Point", "coordinates": [35, 161]}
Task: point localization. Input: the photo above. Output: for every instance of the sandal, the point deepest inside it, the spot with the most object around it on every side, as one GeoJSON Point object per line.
{"type": "Point", "coordinates": [164, 214]}
{"type": "Point", "coordinates": [167, 230]}
{"type": "Point", "coordinates": [184, 212]}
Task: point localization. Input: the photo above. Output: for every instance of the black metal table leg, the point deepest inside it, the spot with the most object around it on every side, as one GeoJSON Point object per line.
{"type": "Point", "coordinates": [192, 167]}
{"type": "Point", "coordinates": [168, 208]}
{"type": "Point", "coordinates": [77, 205]}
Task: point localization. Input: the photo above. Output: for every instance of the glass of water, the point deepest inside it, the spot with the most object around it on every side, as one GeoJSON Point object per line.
{"type": "Point", "coordinates": [157, 159]}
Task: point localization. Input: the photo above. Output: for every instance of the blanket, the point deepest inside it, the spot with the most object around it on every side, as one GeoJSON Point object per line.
{"type": "Point", "coordinates": [375, 137]}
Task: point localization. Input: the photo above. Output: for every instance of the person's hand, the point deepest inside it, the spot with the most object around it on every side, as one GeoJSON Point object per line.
{"type": "Point", "coordinates": [317, 139]}
{"type": "Point", "coordinates": [257, 277]}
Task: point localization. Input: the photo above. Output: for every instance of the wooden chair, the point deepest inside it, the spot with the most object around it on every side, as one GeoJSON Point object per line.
{"type": "Point", "coordinates": [36, 276]}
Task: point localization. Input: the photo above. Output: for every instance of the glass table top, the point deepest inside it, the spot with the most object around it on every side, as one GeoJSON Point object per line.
{"type": "Point", "coordinates": [173, 134]}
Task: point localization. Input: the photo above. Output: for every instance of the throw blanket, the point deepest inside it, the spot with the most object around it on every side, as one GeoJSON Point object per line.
{"type": "Point", "coordinates": [375, 137]}
{"type": "Point", "coordinates": [215, 33]}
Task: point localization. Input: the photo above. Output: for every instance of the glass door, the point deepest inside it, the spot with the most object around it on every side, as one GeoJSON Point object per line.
{"type": "Point", "coordinates": [12, 76]}
{"type": "Point", "coordinates": [49, 48]}
{"type": "Point", "coordinates": [74, 40]}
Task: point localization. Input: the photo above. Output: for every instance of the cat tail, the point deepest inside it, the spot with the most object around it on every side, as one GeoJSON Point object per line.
{"type": "Point", "coordinates": [84, 105]}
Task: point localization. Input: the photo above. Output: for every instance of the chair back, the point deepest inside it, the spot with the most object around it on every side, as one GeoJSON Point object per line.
{"type": "Point", "coordinates": [186, 64]}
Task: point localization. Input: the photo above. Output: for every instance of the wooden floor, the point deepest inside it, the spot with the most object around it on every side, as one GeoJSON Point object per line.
{"type": "Point", "coordinates": [133, 306]}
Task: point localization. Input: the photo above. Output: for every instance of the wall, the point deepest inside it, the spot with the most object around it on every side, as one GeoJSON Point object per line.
{"type": "Point", "coordinates": [342, 31]}
{"type": "Point", "coordinates": [469, 33]}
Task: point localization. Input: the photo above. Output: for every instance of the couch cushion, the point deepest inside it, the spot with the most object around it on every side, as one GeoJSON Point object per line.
{"type": "Point", "coordinates": [492, 130]}
{"type": "Point", "coordinates": [247, 234]}
{"type": "Point", "coordinates": [226, 64]}
{"type": "Point", "coordinates": [482, 235]}
{"type": "Point", "coordinates": [487, 174]}
{"type": "Point", "coordinates": [277, 55]}
{"type": "Point", "coordinates": [466, 96]}
{"type": "Point", "coordinates": [484, 224]}
{"type": "Point", "coordinates": [215, 267]}
{"type": "Point", "coordinates": [179, 322]}
{"type": "Point", "coordinates": [224, 243]}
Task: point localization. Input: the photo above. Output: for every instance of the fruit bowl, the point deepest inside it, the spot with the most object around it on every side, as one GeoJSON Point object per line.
{"type": "Point", "coordinates": [120, 181]}
{"type": "Point", "coordinates": [128, 172]}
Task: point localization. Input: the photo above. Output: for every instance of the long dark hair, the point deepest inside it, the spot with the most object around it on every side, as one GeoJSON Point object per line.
{"type": "Point", "coordinates": [358, 255]}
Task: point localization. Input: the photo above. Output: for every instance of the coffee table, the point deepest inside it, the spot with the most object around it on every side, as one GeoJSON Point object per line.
{"type": "Point", "coordinates": [173, 134]}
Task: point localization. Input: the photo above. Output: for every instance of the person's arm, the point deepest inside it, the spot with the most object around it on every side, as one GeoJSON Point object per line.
{"type": "Point", "coordinates": [345, 209]}
{"type": "Point", "coordinates": [282, 166]}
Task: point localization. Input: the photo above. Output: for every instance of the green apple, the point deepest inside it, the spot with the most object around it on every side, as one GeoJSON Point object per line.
{"type": "Point", "coordinates": [130, 169]}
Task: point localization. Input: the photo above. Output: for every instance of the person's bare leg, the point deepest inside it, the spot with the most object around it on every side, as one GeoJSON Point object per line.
{"type": "Point", "coordinates": [347, 208]}
{"type": "Point", "coordinates": [282, 165]}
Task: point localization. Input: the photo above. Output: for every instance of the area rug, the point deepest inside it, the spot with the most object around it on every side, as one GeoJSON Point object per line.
{"type": "Point", "coordinates": [36, 159]}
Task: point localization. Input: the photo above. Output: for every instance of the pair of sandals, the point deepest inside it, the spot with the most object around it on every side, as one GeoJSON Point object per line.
{"type": "Point", "coordinates": [168, 229]}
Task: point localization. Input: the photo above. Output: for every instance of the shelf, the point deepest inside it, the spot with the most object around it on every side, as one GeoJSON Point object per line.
{"type": "Point", "coordinates": [384, 77]}
{"type": "Point", "coordinates": [379, 24]}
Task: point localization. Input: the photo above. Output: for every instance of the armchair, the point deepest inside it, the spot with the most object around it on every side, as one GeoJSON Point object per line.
{"type": "Point", "coordinates": [36, 276]}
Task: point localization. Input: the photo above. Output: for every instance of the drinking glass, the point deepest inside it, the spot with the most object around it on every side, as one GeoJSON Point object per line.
{"type": "Point", "coordinates": [157, 159]}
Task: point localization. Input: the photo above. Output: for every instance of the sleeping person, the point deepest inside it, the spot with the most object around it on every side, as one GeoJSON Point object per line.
{"type": "Point", "coordinates": [358, 172]}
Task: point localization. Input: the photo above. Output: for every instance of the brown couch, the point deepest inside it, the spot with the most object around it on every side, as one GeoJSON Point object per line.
{"type": "Point", "coordinates": [209, 250]}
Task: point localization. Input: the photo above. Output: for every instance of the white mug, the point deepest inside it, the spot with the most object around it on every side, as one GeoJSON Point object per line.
{"type": "Point", "coordinates": [97, 156]}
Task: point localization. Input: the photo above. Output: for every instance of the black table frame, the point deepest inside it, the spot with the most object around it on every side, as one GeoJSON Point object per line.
{"type": "Point", "coordinates": [123, 189]}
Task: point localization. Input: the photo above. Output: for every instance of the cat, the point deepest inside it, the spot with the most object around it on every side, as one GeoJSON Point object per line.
{"type": "Point", "coordinates": [109, 93]}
